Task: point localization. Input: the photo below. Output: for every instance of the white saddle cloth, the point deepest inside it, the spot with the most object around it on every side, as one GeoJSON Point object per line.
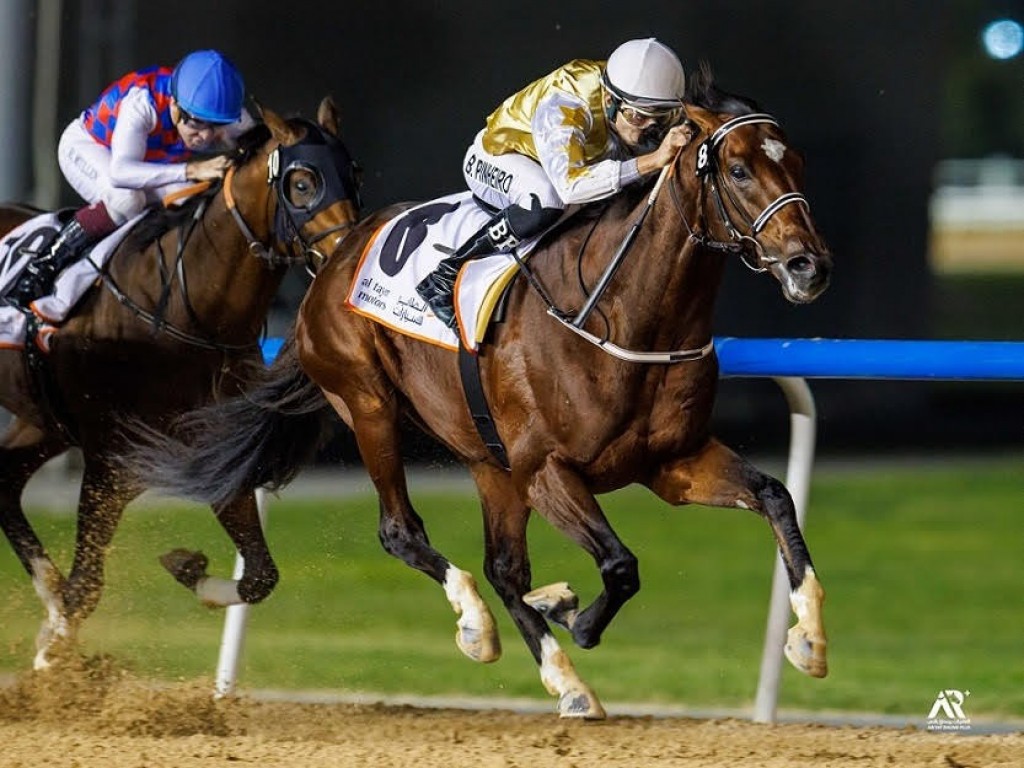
{"type": "Point", "coordinates": [401, 253]}
{"type": "Point", "coordinates": [19, 247]}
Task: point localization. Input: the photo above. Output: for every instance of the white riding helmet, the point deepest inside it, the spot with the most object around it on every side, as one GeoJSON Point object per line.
{"type": "Point", "coordinates": [645, 73]}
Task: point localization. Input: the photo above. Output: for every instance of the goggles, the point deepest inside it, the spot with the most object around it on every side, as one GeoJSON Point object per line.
{"type": "Point", "coordinates": [194, 122]}
{"type": "Point", "coordinates": [642, 118]}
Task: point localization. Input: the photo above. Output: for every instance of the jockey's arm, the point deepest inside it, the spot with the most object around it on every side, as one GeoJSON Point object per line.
{"type": "Point", "coordinates": [559, 127]}
{"type": "Point", "coordinates": [136, 117]}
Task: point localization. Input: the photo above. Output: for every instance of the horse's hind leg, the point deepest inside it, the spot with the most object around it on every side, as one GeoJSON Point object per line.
{"type": "Point", "coordinates": [240, 520]}
{"type": "Point", "coordinates": [401, 530]}
{"type": "Point", "coordinates": [24, 450]}
{"type": "Point", "coordinates": [718, 477]}
{"type": "Point", "coordinates": [507, 567]}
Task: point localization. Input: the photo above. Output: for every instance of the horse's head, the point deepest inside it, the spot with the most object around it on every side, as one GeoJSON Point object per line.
{"type": "Point", "coordinates": [751, 185]}
{"type": "Point", "coordinates": [314, 179]}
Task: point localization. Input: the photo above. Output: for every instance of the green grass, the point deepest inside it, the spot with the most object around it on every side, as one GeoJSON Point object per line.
{"type": "Point", "coordinates": [923, 569]}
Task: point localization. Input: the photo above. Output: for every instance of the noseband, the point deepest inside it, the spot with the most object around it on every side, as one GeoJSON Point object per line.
{"type": "Point", "coordinates": [711, 178]}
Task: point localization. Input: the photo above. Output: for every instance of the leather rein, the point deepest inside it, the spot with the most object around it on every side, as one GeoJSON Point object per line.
{"type": "Point", "coordinates": [269, 254]}
{"type": "Point", "coordinates": [707, 168]}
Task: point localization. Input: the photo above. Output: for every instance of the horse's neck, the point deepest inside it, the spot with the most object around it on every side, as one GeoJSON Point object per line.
{"type": "Point", "coordinates": [238, 285]}
{"type": "Point", "coordinates": [211, 283]}
{"type": "Point", "coordinates": [663, 293]}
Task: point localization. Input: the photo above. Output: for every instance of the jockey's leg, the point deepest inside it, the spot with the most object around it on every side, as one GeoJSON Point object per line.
{"type": "Point", "coordinates": [89, 225]}
{"type": "Point", "coordinates": [501, 234]}
{"type": "Point", "coordinates": [514, 185]}
{"type": "Point", "coordinates": [86, 165]}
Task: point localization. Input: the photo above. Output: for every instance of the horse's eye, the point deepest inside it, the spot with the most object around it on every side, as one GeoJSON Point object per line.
{"type": "Point", "coordinates": [738, 173]}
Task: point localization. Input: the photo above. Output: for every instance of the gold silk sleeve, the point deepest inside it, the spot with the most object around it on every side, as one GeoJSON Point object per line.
{"type": "Point", "coordinates": [509, 127]}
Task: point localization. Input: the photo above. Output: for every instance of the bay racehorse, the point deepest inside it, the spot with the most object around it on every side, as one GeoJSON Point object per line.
{"type": "Point", "coordinates": [625, 397]}
{"type": "Point", "coordinates": [175, 322]}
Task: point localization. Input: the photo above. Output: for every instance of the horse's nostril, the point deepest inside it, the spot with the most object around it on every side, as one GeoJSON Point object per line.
{"type": "Point", "coordinates": [802, 264]}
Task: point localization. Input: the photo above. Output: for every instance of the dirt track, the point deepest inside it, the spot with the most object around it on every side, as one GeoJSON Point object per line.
{"type": "Point", "coordinates": [98, 717]}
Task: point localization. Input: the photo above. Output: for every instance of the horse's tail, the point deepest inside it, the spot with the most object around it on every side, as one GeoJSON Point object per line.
{"type": "Point", "coordinates": [261, 438]}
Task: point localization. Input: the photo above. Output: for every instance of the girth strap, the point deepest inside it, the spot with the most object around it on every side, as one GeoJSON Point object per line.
{"type": "Point", "coordinates": [469, 370]}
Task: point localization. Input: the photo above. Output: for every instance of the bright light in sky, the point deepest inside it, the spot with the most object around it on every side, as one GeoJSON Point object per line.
{"type": "Point", "coordinates": [1003, 39]}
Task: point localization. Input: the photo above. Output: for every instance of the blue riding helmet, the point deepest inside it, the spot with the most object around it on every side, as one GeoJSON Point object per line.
{"type": "Point", "coordinates": [209, 87]}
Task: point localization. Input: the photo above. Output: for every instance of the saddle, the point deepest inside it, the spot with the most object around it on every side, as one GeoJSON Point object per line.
{"type": "Point", "coordinates": [407, 248]}
{"type": "Point", "coordinates": [34, 238]}
{"type": "Point", "coordinates": [24, 243]}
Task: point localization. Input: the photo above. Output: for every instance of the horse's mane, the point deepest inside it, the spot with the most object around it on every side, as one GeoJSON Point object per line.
{"type": "Point", "coordinates": [161, 220]}
{"type": "Point", "coordinates": [702, 91]}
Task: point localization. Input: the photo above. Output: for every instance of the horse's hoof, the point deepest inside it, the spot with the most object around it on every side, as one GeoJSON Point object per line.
{"type": "Point", "coordinates": [581, 705]}
{"type": "Point", "coordinates": [186, 566]}
{"type": "Point", "coordinates": [480, 643]}
{"type": "Point", "coordinates": [555, 602]}
{"type": "Point", "coordinates": [805, 653]}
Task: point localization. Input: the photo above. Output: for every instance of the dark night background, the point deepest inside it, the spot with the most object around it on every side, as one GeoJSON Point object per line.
{"type": "Point", "coordinates": [867, 90]}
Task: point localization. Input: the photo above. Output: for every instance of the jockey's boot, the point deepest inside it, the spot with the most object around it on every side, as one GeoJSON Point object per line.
{"type": "Point", "coordinates": [438, 288]}
{"type": "Point", "coordinates": [38, 277]}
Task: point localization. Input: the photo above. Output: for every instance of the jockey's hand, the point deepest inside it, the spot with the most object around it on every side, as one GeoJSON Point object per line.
{"type": "Point", "coordinates": [676, 138]}
{"type": "Point", "coordinates": [210, 169]}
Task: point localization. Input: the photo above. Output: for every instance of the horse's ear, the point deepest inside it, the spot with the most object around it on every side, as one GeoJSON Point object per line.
{"type": "Point", "coordinates": [278, 127]}
{"type": "Point", "coordinates": [255, 109]}
{"type": "Point", "coordinates": [703, 119]}
{"type": "Point", "coordinates": [327, 116]}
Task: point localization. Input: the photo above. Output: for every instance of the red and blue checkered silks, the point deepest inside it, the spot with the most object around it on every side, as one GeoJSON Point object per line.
{"type": "Point", "coordinates": [163, 145]}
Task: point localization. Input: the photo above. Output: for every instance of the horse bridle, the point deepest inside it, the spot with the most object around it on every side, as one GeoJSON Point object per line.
{"type": "Point", "coordinates": [320, 155]}
{"type": "Point", "coordinates": [709, 172]}
{"type": "Point", "coordinates": [707, 168]}
{"type": "Point", "coordinates": [327, 153]}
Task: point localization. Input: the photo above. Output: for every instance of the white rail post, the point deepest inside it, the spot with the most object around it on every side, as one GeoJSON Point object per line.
{"type": "Point", "coordinates": [235, 619]}
{"type": "Point", "coordinates": [802, 425]}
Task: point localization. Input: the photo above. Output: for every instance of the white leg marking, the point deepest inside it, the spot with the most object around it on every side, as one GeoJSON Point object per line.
{"type": "Point", "coordinates": [55, 626]}
{"type": "Point", "coordinates": [805, 642]}
{"type": "Point", "coordinates": [557, 673]}
{"type": "Point", "coordinates": [218, 593]}
{"type": "Point", "coordinates": [477, 633]}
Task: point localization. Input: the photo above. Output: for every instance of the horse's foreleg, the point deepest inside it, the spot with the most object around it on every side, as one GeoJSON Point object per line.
{"type": "Point", "coordinates": [560, 495]}
{"type": "Point", "coordinates": [401, 529]}
{"type": "Point", "coordinates": [717, 477]}
{"type": "Point", "coordinates": [507, 567]}
{"type": "Point", "coordinates": [25, 449]}
{"type": "Point", "coordinates": [240, 520]}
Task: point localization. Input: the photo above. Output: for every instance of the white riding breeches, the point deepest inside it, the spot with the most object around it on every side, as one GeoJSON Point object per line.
{"type": "Point", "coordinates": [86, 165]}
{"type": "Point", "coordinates": [509, 179]}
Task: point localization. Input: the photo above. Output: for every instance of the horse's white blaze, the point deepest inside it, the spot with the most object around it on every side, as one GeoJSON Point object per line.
{"type": "Point", "coordinates": [218, 592]}
{"type": "Point", "coordinates": [775, 149]}
{"type": "Point", "coordinates": [46, 581]}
